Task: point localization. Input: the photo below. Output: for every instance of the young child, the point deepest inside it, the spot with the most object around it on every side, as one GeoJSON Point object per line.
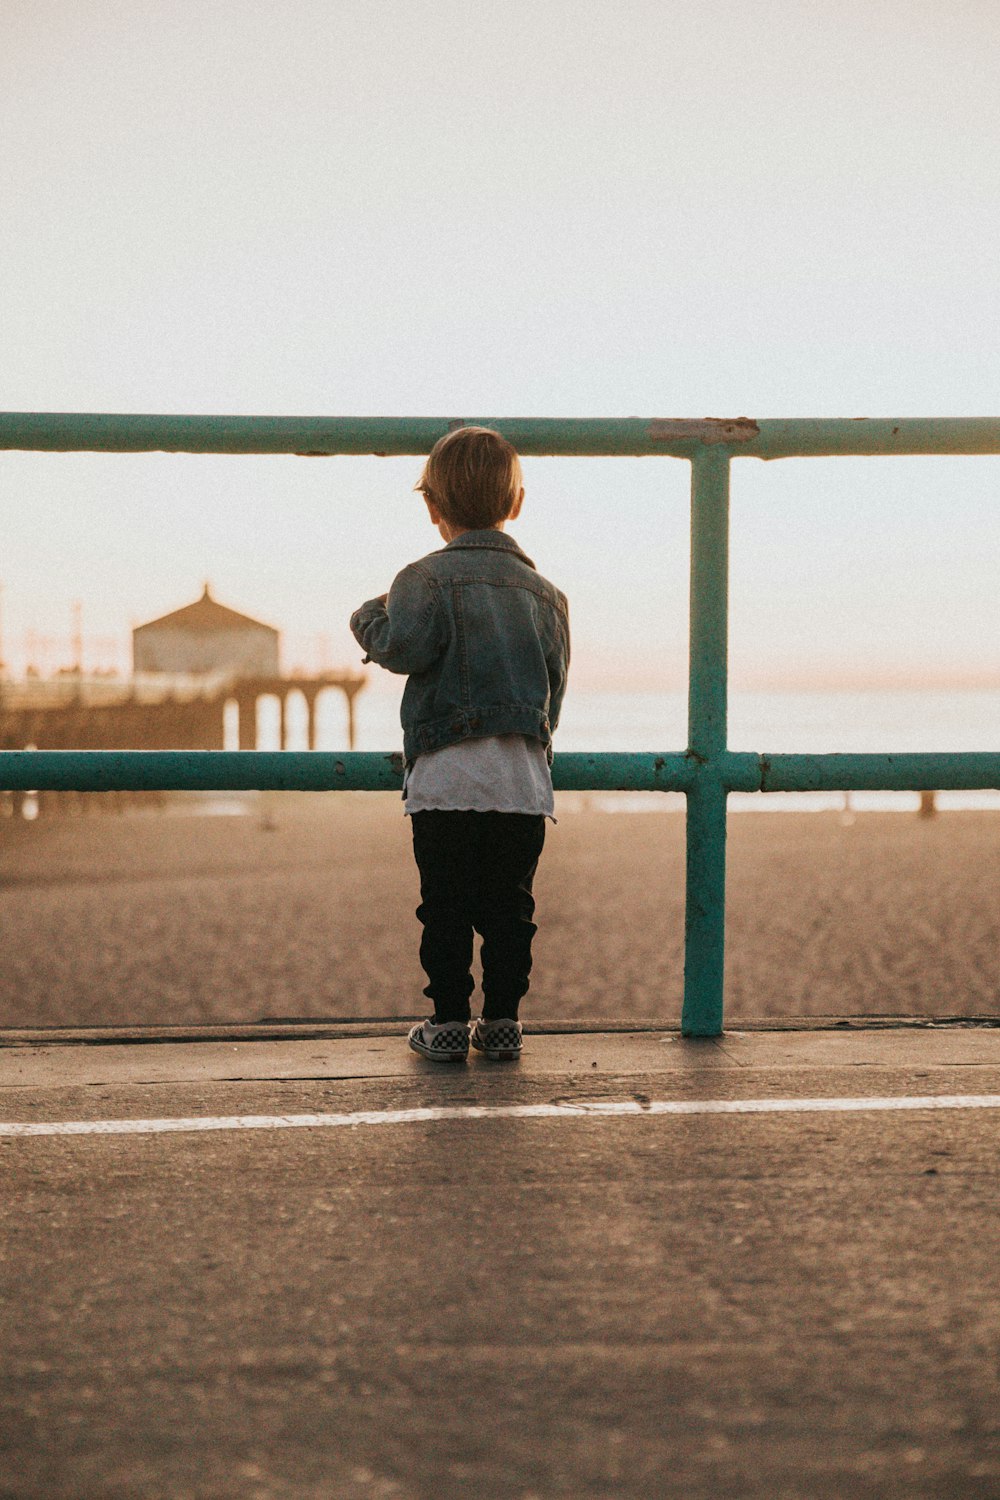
{"type": "Point", "coordinates": [484, 641]}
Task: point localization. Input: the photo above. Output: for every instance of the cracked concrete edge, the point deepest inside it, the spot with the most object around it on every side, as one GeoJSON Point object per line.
{"type": "Point", "coordinates": [348, 1028]}
{"type": "Point", "coordinates": [573, 1056]}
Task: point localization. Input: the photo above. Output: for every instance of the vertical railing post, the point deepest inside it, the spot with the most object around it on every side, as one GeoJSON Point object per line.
{"type": "Point", "coordinates": [705, 916]}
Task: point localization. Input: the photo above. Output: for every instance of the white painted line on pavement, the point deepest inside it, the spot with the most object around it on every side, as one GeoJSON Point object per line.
{"type": "Point", "coordinates": [586, 1109]}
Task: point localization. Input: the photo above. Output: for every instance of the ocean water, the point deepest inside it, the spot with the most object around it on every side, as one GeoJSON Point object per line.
{"type": "Point", "coordinates": [768, 722]}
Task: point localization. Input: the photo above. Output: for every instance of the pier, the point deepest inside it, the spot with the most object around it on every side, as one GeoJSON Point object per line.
{"type": "Point", "coordinates": [169, 712]}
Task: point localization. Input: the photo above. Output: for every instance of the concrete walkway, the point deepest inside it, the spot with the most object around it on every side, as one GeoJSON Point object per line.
{"type": "Point", "coordinates": [496, 1300]}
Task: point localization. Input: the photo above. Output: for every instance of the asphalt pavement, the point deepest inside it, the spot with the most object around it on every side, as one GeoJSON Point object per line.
{"type": "Point", "coordinates": [800, 1300]}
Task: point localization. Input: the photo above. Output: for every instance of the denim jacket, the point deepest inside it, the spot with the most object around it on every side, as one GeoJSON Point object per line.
{"type": "Point", "coordinates": [483, 637]}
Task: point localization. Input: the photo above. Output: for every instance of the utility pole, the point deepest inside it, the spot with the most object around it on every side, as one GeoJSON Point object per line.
{"type": "Point", "coordinates": [77, 638]}
{"type": "Point", "coordinates": [77, 611]}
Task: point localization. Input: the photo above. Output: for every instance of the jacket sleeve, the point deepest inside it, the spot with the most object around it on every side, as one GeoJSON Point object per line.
{"type": "Point", "coordinates": [406, 633]}
{"type": "Point", "coordinates": [558, 668]}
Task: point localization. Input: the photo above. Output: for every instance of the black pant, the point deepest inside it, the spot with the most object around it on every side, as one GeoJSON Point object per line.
{"type": "Point", "coordinates": [476, 870]}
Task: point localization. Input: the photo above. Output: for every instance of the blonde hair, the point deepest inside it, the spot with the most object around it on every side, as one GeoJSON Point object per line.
{"type": "Point", "coordinates": [472, 477]}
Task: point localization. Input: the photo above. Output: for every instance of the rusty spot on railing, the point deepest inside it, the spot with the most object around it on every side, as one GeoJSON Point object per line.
{"type": "Point", "coordinates": [709, 430]}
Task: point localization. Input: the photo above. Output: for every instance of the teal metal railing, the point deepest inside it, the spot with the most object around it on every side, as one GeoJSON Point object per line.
{"type": "Point", "coordinates": [706, 772]}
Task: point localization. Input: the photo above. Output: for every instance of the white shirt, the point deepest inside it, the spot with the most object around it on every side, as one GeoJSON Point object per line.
{"type": "Point", "coordinates": [496, 773]}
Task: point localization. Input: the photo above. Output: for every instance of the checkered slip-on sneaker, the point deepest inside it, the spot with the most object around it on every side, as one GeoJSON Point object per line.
{"type": "Point", "coordinates": [500, 1041]}
{"type": "Point", "coordinates": [448, 1043]}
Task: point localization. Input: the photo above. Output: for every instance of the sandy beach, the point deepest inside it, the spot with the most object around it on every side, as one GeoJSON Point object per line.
{"type": "Point", "coordinates": [181, 918]}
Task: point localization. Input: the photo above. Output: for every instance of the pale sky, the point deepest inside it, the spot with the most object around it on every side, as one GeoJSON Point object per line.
{"type": "Point", "coordinates": [533, 208]}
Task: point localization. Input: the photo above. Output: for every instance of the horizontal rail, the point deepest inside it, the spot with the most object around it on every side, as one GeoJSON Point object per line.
{"type": "Point", "coordinates": [965, 771]}
{"type": "Point", "coordinates": [870, 437]}
{"type": "Point", "coordinates": [373, 771]}
{"type": "Point", "coordinates": [293, 770]}
{"type": "Point", "coordinates": [800, 437]}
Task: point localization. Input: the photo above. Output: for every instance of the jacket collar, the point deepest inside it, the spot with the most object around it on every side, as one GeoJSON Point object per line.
{"type": "Point", "coordinates": [496, 540]}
